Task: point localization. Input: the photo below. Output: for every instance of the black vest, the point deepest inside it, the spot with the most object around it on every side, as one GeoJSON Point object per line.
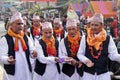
{"type": "Point", "coordinates": [100, 64]}
{"type": "Point", "coordinates": [70, 69]}
{"type": "Point", "coordinates": [41, 67]}
{"type": "Point", "coordinates": [31, 31]}
{"type": "Point", "coordinates": [10, 69]}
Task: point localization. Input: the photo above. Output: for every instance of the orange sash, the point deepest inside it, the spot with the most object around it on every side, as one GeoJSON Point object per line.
{"type": "Point", "coordinates": [74, 41]}
{"type": "Point", "coordinates": [18, 36]}
{"type": "Point", "coordinates": [95, 41]}
{"type": "Point", "coordinates": [50, 49]}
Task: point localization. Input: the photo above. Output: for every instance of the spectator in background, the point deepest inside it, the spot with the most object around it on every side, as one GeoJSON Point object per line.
{"type": "Point", "coordinates": [108, 27]}
{"type": "Point", "coordinates": [7, 23]}
{"type": "Point", "coordinates": [58, 29]}
{"type": "Point", "coordinates": [42, 19]}
{"type": "Point", "coordinates": [64, 19]}
{"type": "Point", "coordinates": [114, 28]}
{"type": "Point", "coordinates": [35, 30]}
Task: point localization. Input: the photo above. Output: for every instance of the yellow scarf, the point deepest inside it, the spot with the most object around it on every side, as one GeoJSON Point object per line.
{"type": "Point", "coordinates": [95, 41]}
{"type": "Point", "coordinates": [74, 41]}
{"type": "Point", "coordinates": [18, 36]}
{"type": "Point", "coordinates": [50, 49]}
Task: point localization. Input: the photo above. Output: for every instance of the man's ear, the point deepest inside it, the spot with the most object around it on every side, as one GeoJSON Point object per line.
{"type": "Point", "coordinates": [102, 25]}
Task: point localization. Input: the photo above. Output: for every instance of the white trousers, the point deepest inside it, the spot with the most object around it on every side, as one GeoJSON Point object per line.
{"type": "Point", "coordinates": [104, 76]}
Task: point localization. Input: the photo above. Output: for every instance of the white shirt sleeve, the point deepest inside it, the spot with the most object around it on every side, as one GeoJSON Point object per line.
{"type": "Point", "coordinates": [42, 58]}
{"type": "Point", "coordinates": [4, 50]}
{"type": "Point", "coordinates": [112, 50]}
{"type": "Point", "coordinates": [62, 50]}
{"type": "Point", "coordinates": [3, 73]}
{"type": "Point", "coordinates": [31, 45]}
{"type": "Point", "coordinates": [81, 51]}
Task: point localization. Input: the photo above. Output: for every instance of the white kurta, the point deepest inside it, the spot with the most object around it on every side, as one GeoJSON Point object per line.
{"type": "Point", "coordinates": [3, 74]}
{"type": "Point", "coordinates": [113, 55]}
{"type": "Point", "coordinates": [22, 71]}
{"type": "Point", "coordinates": [51, 72]}
{"type": "Point", "coordinates": [59, 38]}
{"type": "Point", "coordinates": [34, 41]}
{"type": "Point", "coordinates": [63, 54]}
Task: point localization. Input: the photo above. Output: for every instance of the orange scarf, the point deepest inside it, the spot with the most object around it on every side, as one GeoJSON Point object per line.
{"type": "Point", "coordinates": [18, 36]}
{"type": "Point", "coordinates": [74, 41]}
{"type": "Point", "coordinates": [59, 31]}
{"type": "Point", "coordinates": [50, 49]}
{"type": "Point", "coordinates": [36, 31]}
{"type": "Point", "coordinates": [95, 41]}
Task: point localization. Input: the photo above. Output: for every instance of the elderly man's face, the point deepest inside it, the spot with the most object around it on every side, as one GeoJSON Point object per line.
{"type": "Point", "coordinates": [96, 27]}
{"type": "Point", "coordinates": [36, 23]}
{"type": "Point", "coordinates": [56, 25]}
{"type": "Point", "coordinates": [17, 26]}
{"type": "Point", "coordinates": [47, 33]}
{"type": "Point", "coordinates": [72, 30]}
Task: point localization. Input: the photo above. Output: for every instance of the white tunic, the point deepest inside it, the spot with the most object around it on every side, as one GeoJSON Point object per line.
{"type": "Point", "coordinates": [51, 72]}
{"type": "Point", "coordinates": [113, 55]}
{"type": "Point", "coordinates": [22, 71]}
{"type": "Point", "coordinates": [62, 54]}
{"type": "Point", "coordinates": [34, 41]}
{"type": "Point", "coordinates": [3, 74]}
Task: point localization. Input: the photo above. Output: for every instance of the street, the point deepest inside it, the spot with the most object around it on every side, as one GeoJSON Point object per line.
{"type": "Point", "coordinates": [2, 29]}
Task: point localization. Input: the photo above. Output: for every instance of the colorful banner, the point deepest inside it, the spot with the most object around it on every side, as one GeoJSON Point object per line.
{"type": "Point", "coordinates": [104, 7]}
{"type": "Point", "coordinates": [82, 9]}
{"type": "Point", "coordinates": [118, 3]}
{"type": "Point", "coordinates": [71, 13]}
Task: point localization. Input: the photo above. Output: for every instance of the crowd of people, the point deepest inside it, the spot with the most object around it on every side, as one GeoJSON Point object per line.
{"type": "Point", "coordinates": [58, 49]}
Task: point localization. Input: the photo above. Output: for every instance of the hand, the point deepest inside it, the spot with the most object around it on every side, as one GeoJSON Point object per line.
{"type": "Point", "coordinates": [74, 62]}
{"type": "Point", "coordinates": [68, 59]}
{"type": "Point", "coordinates": [11, 60]}
{"type": "Point", "coordinates": [57, 59]}
{"type": "Point", "coordinates": [34, 54]}
{"type": "Point", "coordinates": [89, 63]}
{"type": "Point", "coordinates": [79, 64]}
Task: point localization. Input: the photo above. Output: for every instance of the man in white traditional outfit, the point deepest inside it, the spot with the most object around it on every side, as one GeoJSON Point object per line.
{"type": "Point", "coordinates": [35, 30]}
{"type": "Point", "coordinates": [68, 49]}
{"type": "Point", "coordinates": [16, 49]}
{"type": "Point", "coordinates": [58, 29]}
{"type": "Point", "coordinates": [35, 34]}
{"type": "Point", "coordinates": [46, 67]}
{"type": "Point", "coordinates": [95, 49]}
